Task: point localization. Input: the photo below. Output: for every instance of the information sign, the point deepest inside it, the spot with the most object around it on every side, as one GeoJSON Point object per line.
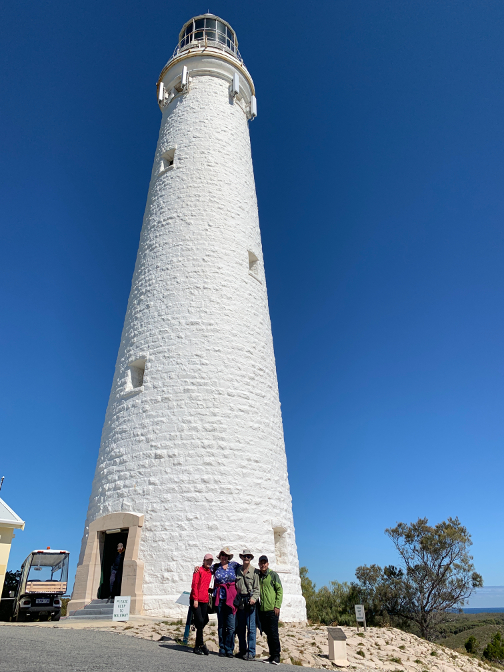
{"type": "Point", "coordinates": [184, 599]}
{"type": "Point", "coordinates": [121, 608]}
{"type": "Point", "coordinates": [360, 615]}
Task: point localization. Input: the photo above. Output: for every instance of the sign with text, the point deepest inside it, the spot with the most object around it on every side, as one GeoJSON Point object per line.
{"type": "Point", "coordinates": [121, 608]}
{"type": "Point", "coordinates": [359, 612]}
{"type": "Point", "coordinates": [360, 616]}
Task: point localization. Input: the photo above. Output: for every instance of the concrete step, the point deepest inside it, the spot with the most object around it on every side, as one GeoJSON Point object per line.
{"type": "Point", "coordinates": [101, 609]}
{"type": "Point", "coordinates": [80, 615]}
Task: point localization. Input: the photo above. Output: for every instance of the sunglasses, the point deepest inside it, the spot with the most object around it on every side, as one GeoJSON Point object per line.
{"type": "Point", "coordinates": [249, 557]}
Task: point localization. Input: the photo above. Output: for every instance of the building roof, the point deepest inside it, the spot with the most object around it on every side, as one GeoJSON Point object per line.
{"type": "Point", "coordinates": [8, 518]}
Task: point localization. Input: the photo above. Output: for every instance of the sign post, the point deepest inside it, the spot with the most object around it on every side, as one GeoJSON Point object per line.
{"type": "Point", "coordinates": [121, 608]}
{"type": "Point", "coordinates": [360, 616]}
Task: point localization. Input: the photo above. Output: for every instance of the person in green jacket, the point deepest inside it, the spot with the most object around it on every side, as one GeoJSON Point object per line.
{"type": "Point", "coordinates": [270, 602]}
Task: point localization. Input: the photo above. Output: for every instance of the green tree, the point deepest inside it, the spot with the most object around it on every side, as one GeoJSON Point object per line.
{"type": "Point", "coordinates": [11, 582]}
{"type": "Point", "coordinates": [328, 604]}
{"type": "Point", "coordinates": [436, 577]}
{"type": "Point", "coordinates": [494, 650]}
{"type": "Point", "coordinates": [472, 645]}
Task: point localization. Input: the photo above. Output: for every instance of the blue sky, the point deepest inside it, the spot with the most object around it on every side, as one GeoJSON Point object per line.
{"type": "Point", "coordinates": [379, 162]}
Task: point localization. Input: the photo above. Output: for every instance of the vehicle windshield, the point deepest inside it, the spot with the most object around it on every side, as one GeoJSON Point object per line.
{"type": "Point", "coordinates": [47, 569]}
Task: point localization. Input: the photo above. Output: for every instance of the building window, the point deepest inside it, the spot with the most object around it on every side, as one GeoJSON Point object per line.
{"type": "Point", "coordinates": [167, 160]}
{"type": "Point", "coordinates": [280, 546]}
{"type": "Point", "coordinates": [135, 375]}
{"type": "Point", "coordinates": [253, 265]}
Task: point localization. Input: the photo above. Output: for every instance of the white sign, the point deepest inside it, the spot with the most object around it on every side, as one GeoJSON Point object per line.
{"type": "Point", "coordinates": [359, 612]}
{"type": "Point", "coordinates": [121, 608]}
{"type": "Point", "coordinates": [184, 599]}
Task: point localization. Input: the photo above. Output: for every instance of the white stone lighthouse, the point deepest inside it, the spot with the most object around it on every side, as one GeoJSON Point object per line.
{"type": "Point", "coordinates": [192, 456]}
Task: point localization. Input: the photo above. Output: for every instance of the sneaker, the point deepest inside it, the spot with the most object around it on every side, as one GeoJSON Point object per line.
{"type": "Point", "coordinates": [249, 656]}
{"type": "Point", "coordinates": [275, 660]}
{"type": "Point", "coordinates": [229, 655]}
{"type": "Point", "coordinates": [197, 650]}
{"type": "Point", "coordinates": [222, 654]}
{"type": "Point", "coordinates": [267, 660]}
{"type": "Point", "coordinates": [205, 650]}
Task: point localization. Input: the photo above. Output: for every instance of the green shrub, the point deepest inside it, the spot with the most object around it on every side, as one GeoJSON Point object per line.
{"type": "Point", "coordinates": [402, 647]}
{"type": "Point", "coordinates": [361, 653]}
{"type": "Point", "coordinates": [472, 645]}
{"type": "Point", "coordinates": [494, 650]}
{"type": "Point", "coordinates": [395, 660]}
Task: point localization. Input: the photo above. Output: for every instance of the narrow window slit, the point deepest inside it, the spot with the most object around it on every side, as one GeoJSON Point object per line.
{"type": "Point", "coordinates": [253, 265]}
{"type": "Point", "coordinates": [135, 375]}
{"type": "Point", "coordinates": [167, 160]}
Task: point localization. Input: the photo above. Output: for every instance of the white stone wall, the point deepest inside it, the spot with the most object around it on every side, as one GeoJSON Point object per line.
{"type": "Point", "coordinates": [198, 447]}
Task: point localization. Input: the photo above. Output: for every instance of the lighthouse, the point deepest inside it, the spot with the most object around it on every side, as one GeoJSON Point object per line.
{"type": "Point", "coordinates": [192, 455]}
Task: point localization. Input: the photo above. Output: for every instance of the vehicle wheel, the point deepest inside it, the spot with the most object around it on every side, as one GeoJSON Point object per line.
{"type": "Point", "coordinates": [21, 618]}
{"type": "Point", "coordinates": [56, 617]}
{"type": "Point", "coordinates": [44, 617]}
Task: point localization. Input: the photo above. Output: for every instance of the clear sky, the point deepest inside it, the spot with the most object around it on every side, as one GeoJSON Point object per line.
{"type": "Point", "coordinates": [379, 162]}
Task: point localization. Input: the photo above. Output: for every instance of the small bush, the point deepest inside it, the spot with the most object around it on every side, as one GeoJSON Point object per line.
{"type": "Point", "coordinates": [281, 624]}
{"type": "Point", "coordinates": [360, 634]}
{"type": "Point", "coordinates": [402, 647]}
{"type": "Point", "coordinates": [361, 653]}
{"type": "Point", "coordinates": [494, 650]}
{"type": "Point", "coordinates": [433, 653]}
{"type": "Point", "coordinates": [296, 661]}
{"type": "Point", "coordinates": [395, 660]}
{"type": "Point", "coordinates": [472, 645]}
{"type": "Point", "coordinates": [418, 661]}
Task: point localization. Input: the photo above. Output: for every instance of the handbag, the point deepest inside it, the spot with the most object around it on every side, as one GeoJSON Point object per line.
{"type": "Point", "coordinates": [211, 598]}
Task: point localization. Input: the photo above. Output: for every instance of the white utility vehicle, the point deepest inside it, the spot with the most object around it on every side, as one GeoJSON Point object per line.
{"type": "Point", "coordinates": [43, 582]}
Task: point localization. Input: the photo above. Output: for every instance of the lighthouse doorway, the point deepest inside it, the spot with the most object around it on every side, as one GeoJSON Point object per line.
{"type": "Point", "coordinates": [109, 555]}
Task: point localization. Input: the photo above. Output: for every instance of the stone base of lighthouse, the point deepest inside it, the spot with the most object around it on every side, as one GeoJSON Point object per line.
{"type": "Point", "coordinates": [158, 597]}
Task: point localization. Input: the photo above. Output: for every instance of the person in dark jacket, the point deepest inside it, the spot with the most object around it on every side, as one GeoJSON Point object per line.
{"type": "Point", "coordinates": [199, 601]}
{"type": "Point", "coordinates": [116, 572]}
{"type": "Point", "coordinates": [269, 608]}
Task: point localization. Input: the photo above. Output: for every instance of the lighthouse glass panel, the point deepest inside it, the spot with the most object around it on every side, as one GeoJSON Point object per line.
{"type": "Point", "coordinates": [209, 31]}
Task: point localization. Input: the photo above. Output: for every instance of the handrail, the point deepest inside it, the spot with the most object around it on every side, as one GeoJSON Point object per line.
{"type": "Point", "coordinates": [190, 41]}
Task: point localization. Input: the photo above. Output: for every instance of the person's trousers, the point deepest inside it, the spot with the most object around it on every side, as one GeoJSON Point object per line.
{"type": "Point", "coordinates": [246, 630]}
{"type": "Point", "coordinates": [112, 581]}
{"type": "Point", "coordinates": [200, 615]}
{"type": "Point", "coordinates": [269, 624]}
{"type": "Point", "coordinates": [225, 627]}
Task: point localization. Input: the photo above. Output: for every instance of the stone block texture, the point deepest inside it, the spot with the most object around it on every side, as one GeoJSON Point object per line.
{"type": "Point", "coordinates": [197, 446]}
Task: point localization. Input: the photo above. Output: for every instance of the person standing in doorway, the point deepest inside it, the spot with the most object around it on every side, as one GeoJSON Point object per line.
{"type": "Point", "coordinates": [116, 572]}
{"type": "Point", "coordinates": [247, 587]}
{"type": "Point", "coordinates": [199, 601]}
{"type": "Point", "coordinates": [271, 592]}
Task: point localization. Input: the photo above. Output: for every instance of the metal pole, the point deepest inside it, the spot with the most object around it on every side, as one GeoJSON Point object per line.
{"type": "Point", "coordinates": [1, 482]}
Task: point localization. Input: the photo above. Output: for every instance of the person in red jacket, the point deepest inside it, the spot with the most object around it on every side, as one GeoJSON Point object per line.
{"type": "Point", "coordinates": [199, 601]}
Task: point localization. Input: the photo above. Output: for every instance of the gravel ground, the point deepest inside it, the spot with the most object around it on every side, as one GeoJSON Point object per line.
{"type": "Point", "coordinates": [46, 649]}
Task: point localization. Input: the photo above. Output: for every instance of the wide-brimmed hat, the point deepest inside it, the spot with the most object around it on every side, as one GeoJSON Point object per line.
{"type": "Point", "coordinates": [227, 551]}
{"type": "Point", "coordinates": [246, 551]}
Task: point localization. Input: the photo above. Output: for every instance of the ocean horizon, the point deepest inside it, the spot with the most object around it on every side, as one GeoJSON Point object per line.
{"type": "Point", "coordinates": [478, 610]}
